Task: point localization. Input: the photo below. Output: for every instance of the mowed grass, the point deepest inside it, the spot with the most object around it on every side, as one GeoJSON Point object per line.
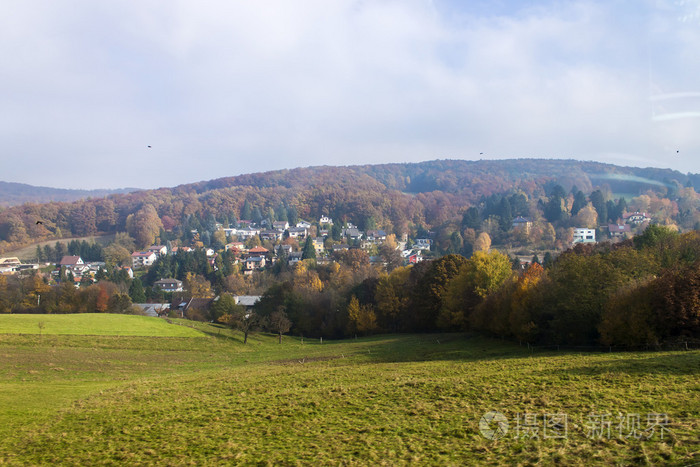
{"type": "Point", "coordinates": [97, 324]}
{"type": "Point", "coordinates": [386, 400]}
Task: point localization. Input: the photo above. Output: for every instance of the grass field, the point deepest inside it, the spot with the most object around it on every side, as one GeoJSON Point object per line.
{"type": "Point", "coordinates": [386, 400]}
{"type": "Point", "coordinates": [99, 324]}
{"type": "Point", "coordinates": [28, 253]}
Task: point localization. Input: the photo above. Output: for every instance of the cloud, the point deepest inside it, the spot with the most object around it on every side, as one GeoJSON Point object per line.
{"type": "Point", "coordinates": [220, 88]}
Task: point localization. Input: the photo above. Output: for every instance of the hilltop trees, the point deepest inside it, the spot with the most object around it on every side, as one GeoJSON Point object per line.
{"type": "Point", "coordinates": [144, 225]}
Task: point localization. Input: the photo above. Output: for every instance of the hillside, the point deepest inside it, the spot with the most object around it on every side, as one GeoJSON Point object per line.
{"type": "Point", "coordinates": [399, 400]}
{"type": "Point", "coordinates": [14, 194]}
{"type": "Point", "coordinates": [395, 197]}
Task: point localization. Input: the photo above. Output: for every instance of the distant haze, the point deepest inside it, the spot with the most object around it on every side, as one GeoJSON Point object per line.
{"type": "Point", "coordinates": [219, 88]}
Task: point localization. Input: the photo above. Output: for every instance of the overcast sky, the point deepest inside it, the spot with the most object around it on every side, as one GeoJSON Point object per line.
{"type": "Point", "coordinates": [224, 87]}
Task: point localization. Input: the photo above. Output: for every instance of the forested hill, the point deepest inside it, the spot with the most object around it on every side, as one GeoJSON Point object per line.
{"type": "Point", "coordinates": [395, 197]}
{"type": "Point", "coordinates": [469, 178]}
{"type": "Point", "coordinates": [13, 194]}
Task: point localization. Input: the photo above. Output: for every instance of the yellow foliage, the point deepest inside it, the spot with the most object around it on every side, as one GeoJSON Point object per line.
{"type": "Point", "coordinates": [362, 317]}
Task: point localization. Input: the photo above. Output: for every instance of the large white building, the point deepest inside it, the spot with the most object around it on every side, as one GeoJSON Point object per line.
{"type": "Point", "coordinates": [582, 235]}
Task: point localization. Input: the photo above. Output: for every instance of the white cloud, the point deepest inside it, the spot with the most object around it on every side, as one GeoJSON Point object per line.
{"type": "Point", "coordinates": [220, 87]}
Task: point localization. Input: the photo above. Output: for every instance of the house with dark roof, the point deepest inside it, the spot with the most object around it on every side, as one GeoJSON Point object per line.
{"type": "Point", "coordinates": [636, 217]}
{"type": "Point", "coordinates": [71, 261]}
{"type": "Point", "coordinates": [619, 230]}
{"type": "Point", "coordinates": [298, 232]}
{"type": "Point", "coordinates": [168, 285]}
{"type": "Point", "coordinates": [376, 236]}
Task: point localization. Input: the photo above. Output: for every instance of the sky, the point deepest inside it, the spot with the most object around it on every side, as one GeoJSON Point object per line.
{"type": "Point", "coordinates": [224, 87]}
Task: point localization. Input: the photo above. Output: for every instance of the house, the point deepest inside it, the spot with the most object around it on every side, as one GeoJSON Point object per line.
{"type": "Point", "coordinates": [415, 258]}
{"type": "Point", "coordinates": [298, 232]}
{"type": "Point", "coordinates": [318, 245]}
{"type": "Point", "coordinates": [253, 263]}
{"type": "Point", "coordinates": [71, 261]}
{"type": "Point", "coordinates": [422, 244]}
{"type": "Point", "coordinates": [375, 236]}
{"type": "Point", "coordinates": [294, 257]}
{"type": "Point", "coordinates": [352, 233]}
{"type": "Point", "coordinates": [210, 252]}
{"type": "Point", "coordinates": [340, 247]}
{"type": "Point", "coordinates": [11, 262]}
{"type": "Point", "coordinates": [236, 246]}
{"type": "Point", "coordinates": [325, 220]}
{"type": "Point", "coordinates": [636, 217]}
{"type": "Point", "coordinates": [129, 271]}
{"type": "Point", "coordinates": [619, 230]}
{"type": "Point", "coordinates": [247, 232]}
{"type": "Point", "coordinates": [141, 259]}
{"type": "Point", "coordinates": [194, 303]}
{"type": "Point", "coordinates": [168, 285]}
{"type": "Point", "coordinates": [286, 249]}
{"type": "Point", "coordinates": [522, 223]}
{"type": "Point", "coordinates": [582, 235]}
{"type": "Point", "coordinates": [159, 250]}
{"type": "Point", "coordinates": [258, 251]}
{"type": "Point", "coordinates": [248, 301]}
{"type": "Point", "coordinates": [271, 235]}
{"type": "Point", "coordinates": [280, 225]}
{"type": "Point", "coordinates": [153, 309]}
{"type": "Point", "coordinates": [303, 225]}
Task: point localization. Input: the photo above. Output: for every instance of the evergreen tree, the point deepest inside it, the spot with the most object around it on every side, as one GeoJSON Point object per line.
{"type": "Point", "coordinates": [547, 261]}
{"type": "Point", "coordinates": [598, 201]}
{"type": "Point", "coordinates": [505, 214]}
{"type": "Point", "coordinates": [552, 210]}
{"type": "Point", "coordinates": [60, 250]}
{"type": "Point", "coordinates": [136, 291]}
{"type": "Point", "coordinates": [579, 202]}
{"type": "Point", "coordinates": [256, 216]}
{"type": "Point", "coordinates": [309, 251]}
{"type": "Point", "coordinates": [292, 215]}
{"type": "Point", "coordinates": [49, 253]}
{"type": "Point", "coordinates": [247, 211]}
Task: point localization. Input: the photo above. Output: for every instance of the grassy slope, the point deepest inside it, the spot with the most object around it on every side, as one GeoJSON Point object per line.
{"type": "Point", "coordinates": [97, 324]}
{"type": "Point", "coordinates": [383, 400]}
{"type": "Point", "coordinates": [28, 253]}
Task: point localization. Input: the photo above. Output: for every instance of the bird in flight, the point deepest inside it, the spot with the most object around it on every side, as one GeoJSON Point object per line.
{"type": "Point", "coordinates": [149, 146]}
{"type": "Point", "coordinates": [39, 222]}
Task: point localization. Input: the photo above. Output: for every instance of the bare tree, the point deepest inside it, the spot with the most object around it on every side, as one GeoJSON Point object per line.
{"type": "Point", "coordinates": [244, 320]}
{"type": "Point", "coordinates": [279, 322]}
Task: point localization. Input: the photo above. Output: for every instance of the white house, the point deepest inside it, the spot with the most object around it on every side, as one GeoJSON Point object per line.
{"type": "Point", "coordinates": [159, 250]}
{"type": "Point", "coordinates": [582, 235]}
{"type": "Point", "coordinates": [422, 244]}
{"type": "Point", "coordinates": [280, 225]}
{"type": "Point", "coordinates": [325, 220]}
{"type": "Point", "coordinates": [298, 232]}
{"type": "Point", "coordinates": [142, 258]}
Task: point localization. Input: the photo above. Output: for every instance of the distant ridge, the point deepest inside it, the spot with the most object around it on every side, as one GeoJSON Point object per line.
{"type": "Point", "coordinates": [13, 194]}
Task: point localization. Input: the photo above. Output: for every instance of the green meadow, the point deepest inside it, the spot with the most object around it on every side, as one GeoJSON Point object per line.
{"type": "Point", "coordinates": [207, 399]}
{"type": "Point", "coordinates": [98, 324]}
